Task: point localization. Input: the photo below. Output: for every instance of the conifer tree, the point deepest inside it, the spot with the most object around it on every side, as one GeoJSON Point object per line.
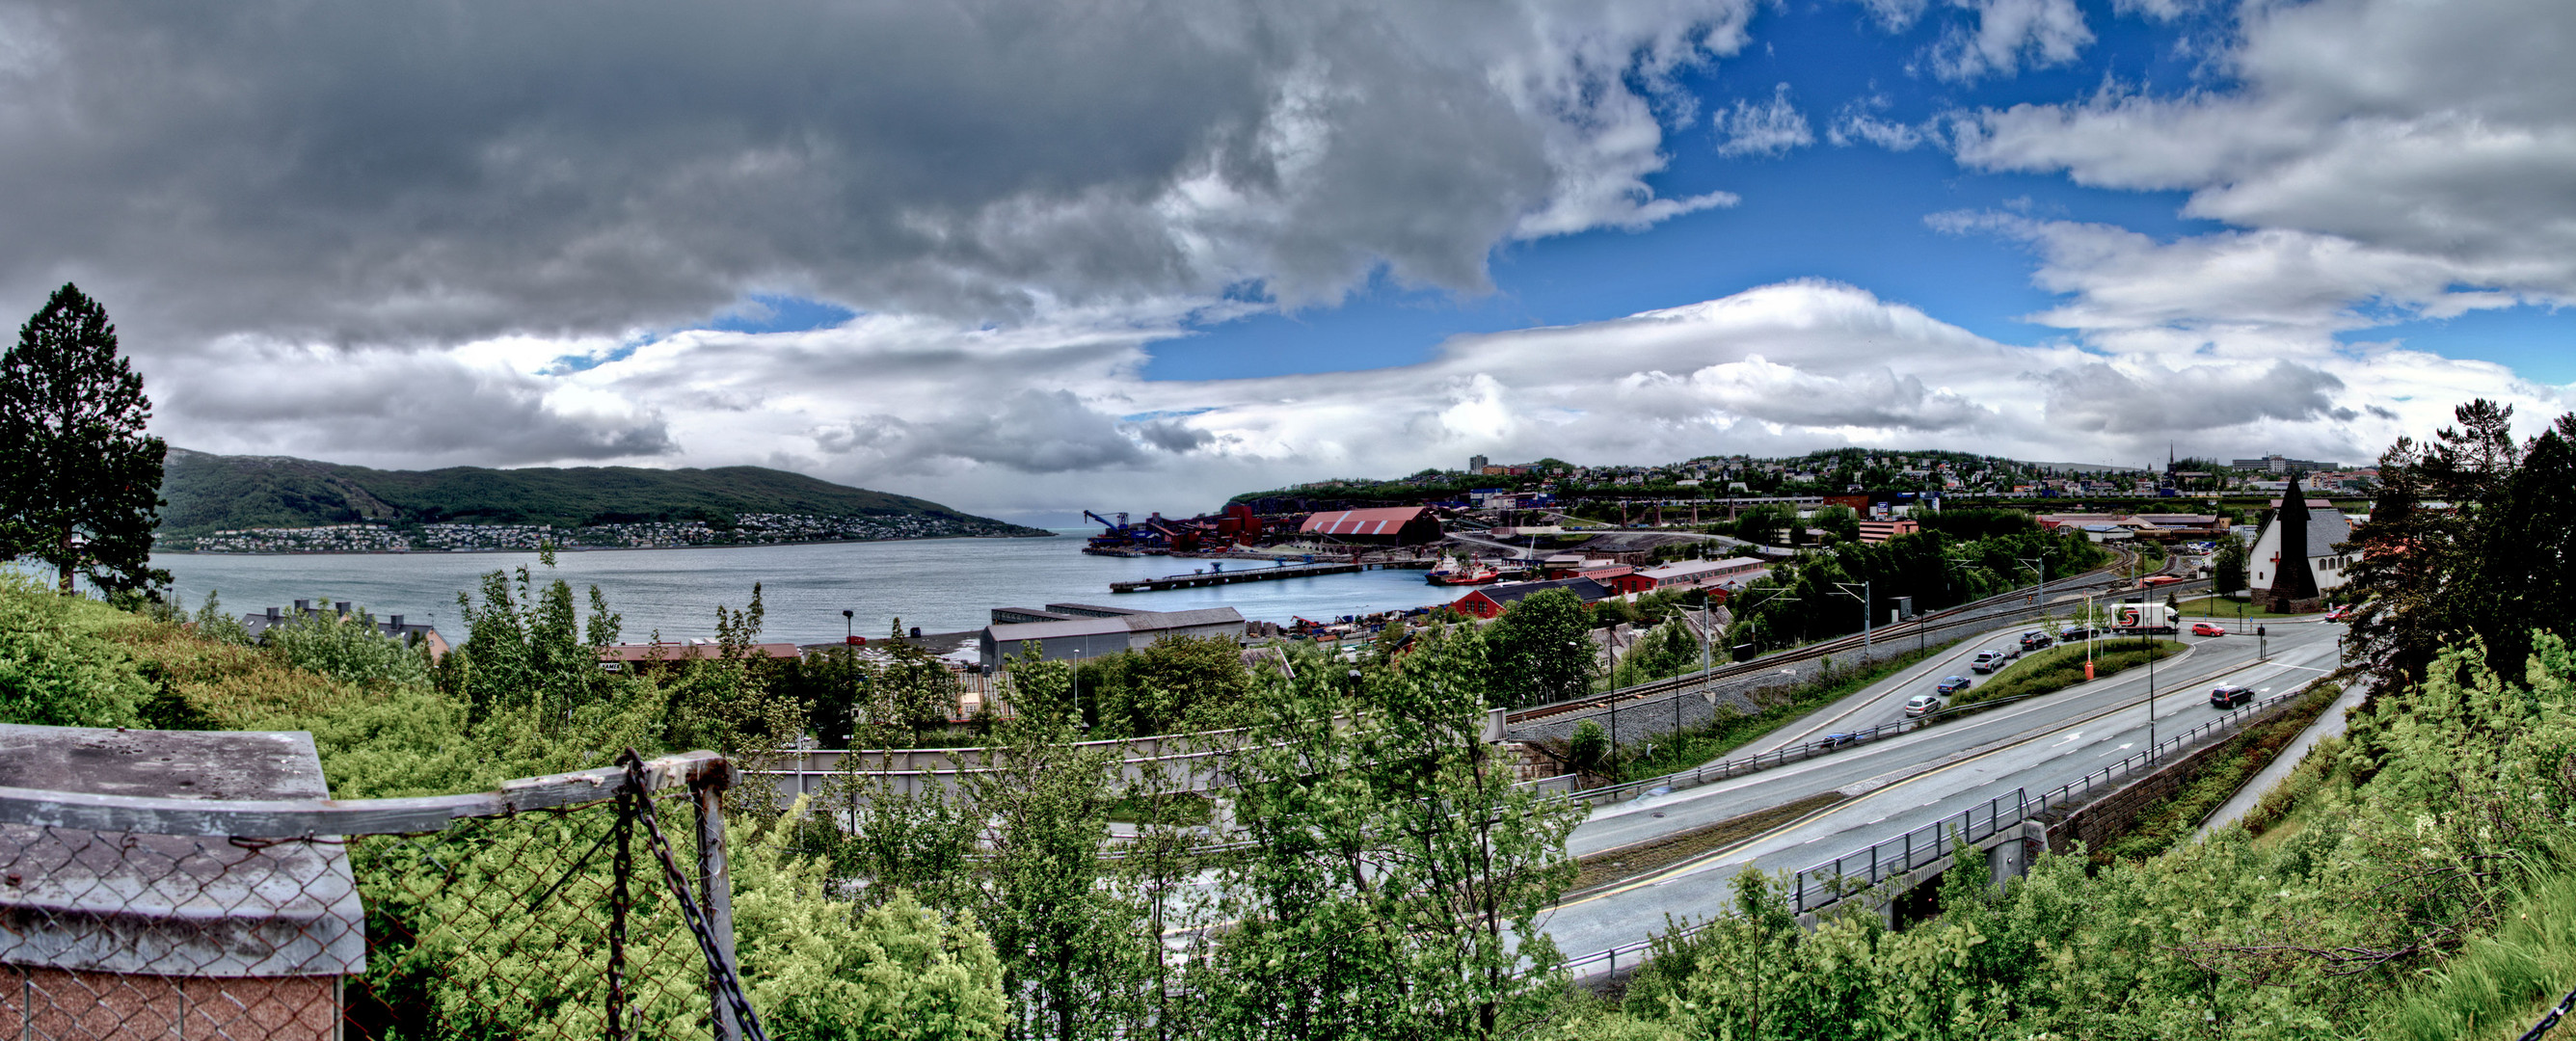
{"type": "Point", "coordinates": [80, 482]}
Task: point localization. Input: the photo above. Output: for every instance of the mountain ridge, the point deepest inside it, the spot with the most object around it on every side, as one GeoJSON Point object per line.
{"type": "Point", "coordinates": [208, 493]}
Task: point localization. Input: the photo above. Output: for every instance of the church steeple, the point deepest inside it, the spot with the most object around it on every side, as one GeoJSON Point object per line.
{"type": "Point", "coordinates": [2294, 582]}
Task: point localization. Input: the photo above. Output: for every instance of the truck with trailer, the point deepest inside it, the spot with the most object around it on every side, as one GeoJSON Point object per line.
{"type": "Point", "coordinates": [2145, 619]}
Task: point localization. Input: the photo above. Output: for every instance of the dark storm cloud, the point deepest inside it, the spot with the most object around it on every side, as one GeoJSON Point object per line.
{"type": "Point", "coordinates": [430, 173]}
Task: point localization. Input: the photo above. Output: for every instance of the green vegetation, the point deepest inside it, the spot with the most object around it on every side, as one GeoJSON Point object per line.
{"type": "Point", "coordinates": [2158, 827]}
{"type": "Point", "coordinates": [2058, 668]}
{"type": "Point", "coordinates": [76, 469]}
{"type": "Point", "coordinates": [1665, 754]}
{"type": "Point", "coordinates": [1540, 651]}
{"type": "Point", "coordinates": [2449, 817]}
{"type": "Point", "coordinates": [1959, 557]}
{"type": "Point", "coordinates": [209, 493]}
{"type": "Point", "coordinates": [2219, 608]}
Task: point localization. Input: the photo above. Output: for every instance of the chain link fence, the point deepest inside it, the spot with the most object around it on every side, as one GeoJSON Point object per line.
{"type": "Point", "coordinates": [583, 905]}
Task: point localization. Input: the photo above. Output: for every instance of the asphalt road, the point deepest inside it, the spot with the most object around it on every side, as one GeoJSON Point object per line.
{"type": "Point", "coordinates": [1919, 778]}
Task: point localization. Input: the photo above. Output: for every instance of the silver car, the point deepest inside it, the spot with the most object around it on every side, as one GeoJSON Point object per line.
{"type": "Point", "coordinates": [1922, 704]}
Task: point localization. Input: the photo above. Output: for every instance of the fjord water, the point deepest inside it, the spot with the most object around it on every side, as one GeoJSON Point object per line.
{"type": "Point", "coordinates": [941, 585]}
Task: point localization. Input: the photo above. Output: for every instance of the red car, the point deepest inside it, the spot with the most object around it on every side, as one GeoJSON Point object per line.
{"type": "Point", "coordinates": [2207, 629]}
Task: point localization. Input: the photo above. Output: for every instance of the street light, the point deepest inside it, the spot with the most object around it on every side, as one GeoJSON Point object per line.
{"type": "Point", "coordinates": [850, 661]}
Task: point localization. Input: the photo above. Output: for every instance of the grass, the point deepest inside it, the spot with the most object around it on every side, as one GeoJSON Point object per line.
{"type": "Point", "coordinates": [1704, 744]}
{"type": "Point", "coordinates": [2159, 826]}
{"type": "Point", "coordinates": [1614, 865]}
{"type": "Point", "coordinates": [2223, 609]}
{"type": "Point", "coordinates": [2499, 984]}
{"type": "Point", "coordinates": [2058, 668]}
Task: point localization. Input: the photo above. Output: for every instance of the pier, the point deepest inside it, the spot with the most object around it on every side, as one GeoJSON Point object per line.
{"type": "Point", "coordinates": [1258, 574]}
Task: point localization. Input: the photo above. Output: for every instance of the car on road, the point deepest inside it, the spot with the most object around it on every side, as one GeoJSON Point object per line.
{"type": "Point", "coordinates": [1833, 741]}
{"type": "Point", "coordinates": [2207, 629]}
{"type": "Point", "coordinates": [1990, 659]}
{"type": "Point", "coordinates": [2035, 639]}
{"type": "Point", "coordinates": [2230, 697]}
{"type": "Point", "coordinates": [1951, 685]}
{"type": "Point", "coordinates": [2340, 613]}
{"type": "Point", "coordinates": [1922, 704]}
{"type": "Point", "coordinates": [2072, 633]}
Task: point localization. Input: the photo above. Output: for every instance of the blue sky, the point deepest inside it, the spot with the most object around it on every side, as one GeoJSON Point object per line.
{"type": "Point", "coordinates": [1026, 257]}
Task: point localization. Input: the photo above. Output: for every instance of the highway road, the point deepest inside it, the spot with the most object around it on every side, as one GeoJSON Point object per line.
{"type": "Point", "coordinates": [1916, 779]}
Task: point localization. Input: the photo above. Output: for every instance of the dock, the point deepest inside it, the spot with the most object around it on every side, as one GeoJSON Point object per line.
{"type": "Point", "coordinates": [1202, 579]}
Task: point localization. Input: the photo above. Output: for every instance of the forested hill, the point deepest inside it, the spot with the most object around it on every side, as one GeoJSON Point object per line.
{"type": "Point", "coordinates": [209, 493]}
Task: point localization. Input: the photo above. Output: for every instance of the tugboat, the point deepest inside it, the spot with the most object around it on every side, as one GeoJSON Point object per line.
{"type": "Point", "coordinates": [1462, 573]}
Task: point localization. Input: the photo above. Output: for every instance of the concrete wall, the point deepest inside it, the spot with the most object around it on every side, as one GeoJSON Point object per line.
{"type": "Point", "coordinates": [2110, 815]}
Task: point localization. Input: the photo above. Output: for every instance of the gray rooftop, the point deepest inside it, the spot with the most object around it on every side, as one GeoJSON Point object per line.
{"type": "Point", "coordinates": [170, 904]}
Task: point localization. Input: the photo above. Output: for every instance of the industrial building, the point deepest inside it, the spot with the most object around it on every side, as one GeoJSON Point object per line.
{"type": "Point", "coordinates": [1074, 638]}
{"type": "Point", "coordinates": [1389, 526]}
{"type": "Point", "coordinates": [1714, 575]}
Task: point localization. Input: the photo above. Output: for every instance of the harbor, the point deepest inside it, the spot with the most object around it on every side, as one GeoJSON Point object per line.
{"type": "Point", "coordinates": [1216, 575]}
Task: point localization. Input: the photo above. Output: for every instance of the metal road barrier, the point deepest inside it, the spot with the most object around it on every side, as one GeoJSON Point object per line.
{"type": "Point", "coordinates": [2002, 606]}
{"type": "Point", "coordinates": [554, 907]}
{"type": "Point", "coordinates": [1858, 872]}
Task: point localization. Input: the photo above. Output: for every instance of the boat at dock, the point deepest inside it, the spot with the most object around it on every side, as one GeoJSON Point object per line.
{"type": "Point", "coordinates": [1462, 573]}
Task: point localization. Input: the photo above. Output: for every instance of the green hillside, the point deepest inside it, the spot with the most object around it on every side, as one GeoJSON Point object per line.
{"type": "Point", "coordinates": [209, 493]}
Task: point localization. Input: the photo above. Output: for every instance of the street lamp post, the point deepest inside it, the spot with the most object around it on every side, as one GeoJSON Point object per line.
{"type": "Point", "coordinates": [850, 661]}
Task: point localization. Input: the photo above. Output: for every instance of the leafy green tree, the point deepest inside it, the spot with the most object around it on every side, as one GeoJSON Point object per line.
{"type": "Point", "coordinates": [1395, 875]}
{"type": "Point", "coordinates": [1071, 945]}
{"type": "Point", "coordinates": [1541, 650]}
{"type": "Point", "coordinates": [2227, 566]}
{"type": "Point", "coordinates": [525, 648]}
{"type": "Point", "coordinates": [79, 479]}
{"type": "Point", "coordinates": [913, 690]}
{"type": "Point", "coordinates": [1590, 746]}
{"type": "Point", "coordinates": [1669, 649]}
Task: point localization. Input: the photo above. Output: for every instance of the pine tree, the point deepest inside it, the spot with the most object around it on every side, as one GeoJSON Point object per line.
{"type": "Point", "coordinates": [80, 482]}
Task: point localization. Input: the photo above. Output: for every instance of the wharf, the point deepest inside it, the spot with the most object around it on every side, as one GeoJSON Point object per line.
{"type": "Point", "coordinates": [1258, 574]}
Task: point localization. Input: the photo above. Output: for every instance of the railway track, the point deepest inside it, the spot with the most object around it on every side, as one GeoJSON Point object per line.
{"type": "Point", "coordinates": [2108, 576]}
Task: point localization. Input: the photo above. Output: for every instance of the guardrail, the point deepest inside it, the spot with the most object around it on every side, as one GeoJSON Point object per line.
{"type": "Point", "coordinates": [1828, 882]}
{"type": "Point", "coordinates": [1975, 612]}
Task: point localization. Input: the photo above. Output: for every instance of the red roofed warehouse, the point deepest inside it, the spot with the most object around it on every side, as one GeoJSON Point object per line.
{"type": "Point", "coordinates": [1392, 526]}
{"type": "Point", "coordinates": [1492, 601]}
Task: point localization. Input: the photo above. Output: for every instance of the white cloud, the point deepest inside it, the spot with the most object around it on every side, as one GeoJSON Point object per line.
{"type": "Point", "coordinates": [2378, 161]}
{"type": "Point", "coordinates": [1027, 419]}
{"type": "Point", "coordinates": [2010, 34]}
{"type": "Point", "coordinates": [1859, 121]}
{"type": "Point", "coordinates": [1772, 128]}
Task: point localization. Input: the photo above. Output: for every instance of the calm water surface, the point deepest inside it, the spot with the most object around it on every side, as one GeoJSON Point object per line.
{"type": "Point", "coordinates": [938, 584]}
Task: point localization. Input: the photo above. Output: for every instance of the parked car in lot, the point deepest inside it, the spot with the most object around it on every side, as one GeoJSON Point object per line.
{"type": "Point", "coordinates": [2035, 639]}
{"type": "Point", "coordinates": [2230, 697]}
{"type": "Point", "coordinates": [2208, 629]}
{"type": "Point", "coordinates": [1922, 704]}
{"type": "Point", "coordinates": [1951, 685]}
{"type": "Point", "coordinates": [1832, 741]}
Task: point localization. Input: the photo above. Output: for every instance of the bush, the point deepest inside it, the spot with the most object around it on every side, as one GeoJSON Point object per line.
{"type": "Point", "coordinates": [1590, 747]}
{"type": "Point", "coordinates": [55, 669]}
{"type": "Point", "coordinates": [348, 648]}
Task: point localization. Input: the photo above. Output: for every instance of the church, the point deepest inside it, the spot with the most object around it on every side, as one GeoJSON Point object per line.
{"type": "Point", "coordinates": [2294, 562]}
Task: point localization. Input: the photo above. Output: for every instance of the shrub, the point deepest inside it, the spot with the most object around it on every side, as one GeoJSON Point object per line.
{"type": "Point", "coordinates": [55, 670]}
{"type": "Point", "coordinates": [348, 648]}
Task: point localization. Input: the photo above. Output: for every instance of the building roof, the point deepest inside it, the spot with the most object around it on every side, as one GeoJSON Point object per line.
{"type": "Point", "coordinates": [1686, 570]}
{"type": "Point", "coordinates": [174, 904]}
{"type": "Point", "coordinates": [671, 650]}
{"type": "Point", "coordinates": [1384, 521]}
{"type": "Point", "coordinates": [1138, 622]}
{"type": "Point", "coordinates": [1513, 592]}
{"type": "Point", "coordinates": [2325, 528]}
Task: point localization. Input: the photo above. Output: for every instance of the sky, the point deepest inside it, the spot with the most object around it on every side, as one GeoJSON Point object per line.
{"type": "Point", "coordinates": [1028, 258]}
